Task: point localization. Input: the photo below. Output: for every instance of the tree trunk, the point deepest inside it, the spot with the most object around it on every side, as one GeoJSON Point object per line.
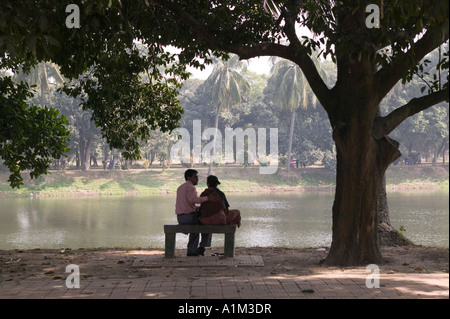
{"type": "Point", "coordinates": [291, 136]}
{"type": "Point", "coordinates": [360, 175]}
{"type": "Point", "coordinates": [42, 95]}
{"type": "Point", "coordinates": [152, 158]}
{"type": "Point", "coordinates": [435, 156]}
{"type": "Point", "coordinates": [77, 158]}
{"type": "Point", "coordinates": [441, 150]}
{"type": "Point", "coordinates": [443, 154]}
{"type": "Point", "coordinates": [82, 149]}
{"type": "Point", "coordinates": [361, 164]}
{"type": "Point", "coordinates": [87, 159]}
{"type": "Point", "coordinates": [354, 213]}
{"type": "Point", "coordinates": [85, 152]}
{"type": "Point", "coordinates": [387, 234]}
{"type": "Point", "coordinates": [213, 156]}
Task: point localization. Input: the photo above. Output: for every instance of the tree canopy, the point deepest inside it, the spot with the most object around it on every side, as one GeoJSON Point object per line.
{"type": "Point", "coordinates": [105, 43]}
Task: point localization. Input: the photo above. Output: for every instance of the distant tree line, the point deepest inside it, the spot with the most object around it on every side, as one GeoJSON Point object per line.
{"type": "Point", "coordinates": [252, 100]}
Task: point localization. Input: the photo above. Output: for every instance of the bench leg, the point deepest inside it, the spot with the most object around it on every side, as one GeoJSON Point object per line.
{"type": "Point", "coordinates": [229, 245]}
{"type": "Point", "coordinates": [170, 245]}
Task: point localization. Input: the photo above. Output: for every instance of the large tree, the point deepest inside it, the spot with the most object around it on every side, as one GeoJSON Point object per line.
{"type": "Point", "coordinates": [370, 61]}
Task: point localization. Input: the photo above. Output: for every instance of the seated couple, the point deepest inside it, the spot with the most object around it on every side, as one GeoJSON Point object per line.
{"type": "Point", "coordinates": [213, 210]}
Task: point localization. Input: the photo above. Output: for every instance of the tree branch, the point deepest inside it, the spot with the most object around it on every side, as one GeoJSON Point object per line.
{"type": "Point", "coordinates": [384, 125]}
{"type": "Point", "coordinates": [298, 54]}
{"type": "Point", "coordinates": [389, 75]}
{"type": "Point", "coordinates": [294, 52]}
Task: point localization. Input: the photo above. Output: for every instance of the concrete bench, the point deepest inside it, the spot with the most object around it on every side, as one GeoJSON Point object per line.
{"type": "Point", "coordinates": [172, 229]}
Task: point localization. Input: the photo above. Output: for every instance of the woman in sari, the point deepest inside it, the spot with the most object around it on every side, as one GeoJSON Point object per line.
{"type": "Point", "coordinates": [217, 213]}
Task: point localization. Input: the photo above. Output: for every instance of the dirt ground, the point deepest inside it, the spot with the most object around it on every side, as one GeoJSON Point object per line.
{"type": "Point", "coordinates": [17, 265]}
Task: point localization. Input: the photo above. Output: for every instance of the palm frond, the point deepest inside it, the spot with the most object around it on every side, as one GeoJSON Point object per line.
{"type": "Point", "coordinates": [290, 86]}
{"type": "Point", "coordinates": [226, 85]}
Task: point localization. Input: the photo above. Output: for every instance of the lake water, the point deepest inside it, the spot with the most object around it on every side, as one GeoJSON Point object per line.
{"type": "Point", "coordinates": [289, 220]}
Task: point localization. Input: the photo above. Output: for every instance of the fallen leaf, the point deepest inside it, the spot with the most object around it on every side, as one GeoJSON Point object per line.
{"type": "Point", "coordinates": [308, 291]}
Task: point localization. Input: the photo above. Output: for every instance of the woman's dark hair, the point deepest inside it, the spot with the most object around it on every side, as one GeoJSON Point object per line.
{"type": "Point", "coordinates": [212, 181]}
{"type": "Point", "coordinates": [189, 173]}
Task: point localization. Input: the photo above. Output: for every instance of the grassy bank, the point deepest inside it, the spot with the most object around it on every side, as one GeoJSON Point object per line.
{"type": "Point", "coordinates": [98, 182]}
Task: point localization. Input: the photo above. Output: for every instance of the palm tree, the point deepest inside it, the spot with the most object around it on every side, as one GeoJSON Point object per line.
{"type": "Point", "coordinates": [290, 90]}
{"type": "Point", "coordinates": [39, 75]}
{"type": "Point", "coordinates": [227, 87]}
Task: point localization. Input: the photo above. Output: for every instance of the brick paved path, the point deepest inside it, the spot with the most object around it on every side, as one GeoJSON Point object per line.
{"type": "Point", "coordinates": [351, 284]}
{"type": "Point", "coordinates": [140, 275]}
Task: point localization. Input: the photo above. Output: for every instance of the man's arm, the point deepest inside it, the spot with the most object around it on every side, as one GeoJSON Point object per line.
{"type": "Point", "coordinates": [193, 197]}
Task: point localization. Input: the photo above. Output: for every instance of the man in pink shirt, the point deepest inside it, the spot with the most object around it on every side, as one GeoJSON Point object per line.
{"type": "Point", "coordinates": [187, 213]}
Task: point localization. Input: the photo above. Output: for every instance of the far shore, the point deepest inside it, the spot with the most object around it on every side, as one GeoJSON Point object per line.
{"type": "Point", "coordinates": [140, 182]}
{"type": "Point", "coordinates": [403, 187]}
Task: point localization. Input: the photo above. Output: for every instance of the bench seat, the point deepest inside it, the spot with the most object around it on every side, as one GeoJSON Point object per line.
{"type": "Point", "coordinates": [171, 230]}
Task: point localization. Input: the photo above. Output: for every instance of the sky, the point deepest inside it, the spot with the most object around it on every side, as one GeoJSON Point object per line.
{"type": "Point", "coordinates": [258, 65]}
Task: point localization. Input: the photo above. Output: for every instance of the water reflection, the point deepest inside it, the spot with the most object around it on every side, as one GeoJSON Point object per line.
{"type": "Point", "coordinates": [289, 220]}
{"type": "Point", "coordinates": [424, 217]}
